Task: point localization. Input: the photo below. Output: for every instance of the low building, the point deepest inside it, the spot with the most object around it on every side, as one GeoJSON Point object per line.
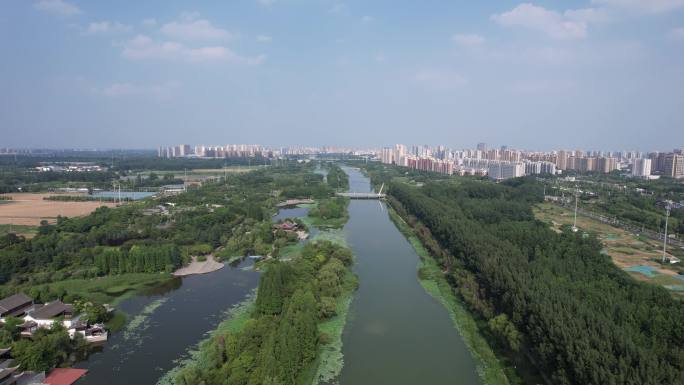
{"type": "Point", "coordinates": [37, 316]}
{"type": "Point", "coordinates": [15, 305]}
{"type": "Point", "coordinates": [45, 315]}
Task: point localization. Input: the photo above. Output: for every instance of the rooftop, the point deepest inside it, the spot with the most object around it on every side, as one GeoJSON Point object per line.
{"type": "Point", "coordinates": [51, 310]}
{"type": "Point", "coordinates": [64, 376]}
{"type": "Point", "coordinates": [13, 302]}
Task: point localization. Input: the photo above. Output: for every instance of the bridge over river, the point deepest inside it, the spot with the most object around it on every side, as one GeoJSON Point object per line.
{"type": "Point", "coordinates": [363, 195]}
{"type": "Point", "coordinates": [354, 195]}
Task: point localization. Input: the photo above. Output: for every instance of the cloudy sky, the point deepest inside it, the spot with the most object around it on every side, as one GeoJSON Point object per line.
{"type": "Point", "coordinates": [592, 74]}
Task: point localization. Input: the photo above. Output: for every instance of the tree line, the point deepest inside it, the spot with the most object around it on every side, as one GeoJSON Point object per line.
{"type": "Point", "coordinates": [553, 296]}
{"type": "Point", "coordinates": [280, 341]}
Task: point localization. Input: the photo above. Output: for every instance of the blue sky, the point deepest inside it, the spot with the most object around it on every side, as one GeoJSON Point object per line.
{"type": "Point", "coordinates": [593, 74]}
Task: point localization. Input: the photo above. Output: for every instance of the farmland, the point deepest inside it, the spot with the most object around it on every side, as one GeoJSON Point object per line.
{"type": "Point", "coordinates": [29, 209]}
{"type": "Point", "coordinates": [638, 256]}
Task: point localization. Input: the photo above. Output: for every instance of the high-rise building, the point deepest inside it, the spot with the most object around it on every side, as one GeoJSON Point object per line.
{"type": "Point", "coordinates": [387, 155]}
{"type": "Point", "coordinates": [674, 165]}
{"type": "Point", "coordinates": [606, 165]}
{"type": "Point", "coordinates": [505, 170]}
{"type": "Point", "coordinates": [482, 147]}
{"type": "Point", "coordinates": [562, 160]}
{"type": "Point", "coordinates": [641, 167]}
{"type": "Point", "coordinates": [399, 155]}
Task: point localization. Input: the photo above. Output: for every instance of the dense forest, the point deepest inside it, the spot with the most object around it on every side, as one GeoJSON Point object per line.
{"type": "Point", "coordinates": [553, 296]}
{"type": "Point", "coordinates": [231, 215]}
{"type": "Point", "coordinates": [337, 179]}
{"type": "Point", "coordinates": [230, 218]}
{"type": "Point", "coordinates": [15, 180]}
{"type": "Point", "coordinates": [20, 175]}
{"type": "Point", "coordinates": [280, 340]}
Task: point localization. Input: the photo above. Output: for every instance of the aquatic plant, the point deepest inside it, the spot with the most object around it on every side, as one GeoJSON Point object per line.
{"type": "Point", "coordinates": [142, 320]}
{"type": "Point", "coordinates": [234, 321]}
{"type": "Point", "coordinates": [331, 358]}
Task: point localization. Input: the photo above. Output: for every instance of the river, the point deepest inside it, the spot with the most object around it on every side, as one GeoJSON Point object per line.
{"type": "Point", "coordinates": [396, 333]}
{"type": "Point", "coordinates": [165, 323]}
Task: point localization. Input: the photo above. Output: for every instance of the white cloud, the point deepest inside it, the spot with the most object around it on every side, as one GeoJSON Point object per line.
{"type": "Point", "coordinates": [643, 6]}
{"type": "Point", "coordinates": [143, 47]}
{"type": "Point", "coordinates": [551, 23]}
{"type": "Point", "coordinates": [468, 39]}
{"type": "Point", "coordinates": [191, 28]}
{"type": "Point", "coordinates": [149, 22]}
{"type": "Point", "coordinates": [264, 39]}
{"type": "Point", "coordinates": [58, 6]}
{"type": "Point", "coordinates": [589, 15]}
{"type": "Point", "coordinates": [367, 19]}
{"type": "Point", "coordinates": [118, 90]}
{"type": "Point", "coordinates": [677, 33]}
{"type": "Point", "coordinates": [439, 80]}
{"type": "Point", "coordinates": [102, 27]}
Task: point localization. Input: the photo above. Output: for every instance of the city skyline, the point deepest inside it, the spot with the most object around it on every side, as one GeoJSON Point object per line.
{"type": "Point", "coordinates": [580, 74]}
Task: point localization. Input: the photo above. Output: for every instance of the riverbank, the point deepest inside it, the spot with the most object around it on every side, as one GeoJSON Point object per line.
{"type": "Point", "coordinates": [489, 368]}
{"type": "Point", "coordinates": [210, 264]}
{"type": "Point", "coordinates": [235, 320]}
{"type": "Point", "coordinates": [330, 360]}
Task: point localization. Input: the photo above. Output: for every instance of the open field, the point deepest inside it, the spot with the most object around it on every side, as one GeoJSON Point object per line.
{"type": "Point", "coordinates": [30, 208]}
{"type": "Point", "coordinates": [26, 231]}
{"type": "Point", "coordinates": [637, 255]}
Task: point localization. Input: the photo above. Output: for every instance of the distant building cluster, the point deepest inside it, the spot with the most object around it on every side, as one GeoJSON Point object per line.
{"type": "Point", "coordinates": [201, 151]}
{"type": "Point", "coordinates": [503, 163]}
{"type": "Point", "coordinates": [669, 164]}
{"type": "Point", "coordinates": [70, 167]}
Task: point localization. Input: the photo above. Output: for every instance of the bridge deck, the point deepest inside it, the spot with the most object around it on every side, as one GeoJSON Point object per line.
{"type": "Point", "coordinates": [353, 195]}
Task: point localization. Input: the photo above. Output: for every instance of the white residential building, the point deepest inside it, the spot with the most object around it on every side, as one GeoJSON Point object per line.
{"type": "Point", "coordinates": [641, 167]}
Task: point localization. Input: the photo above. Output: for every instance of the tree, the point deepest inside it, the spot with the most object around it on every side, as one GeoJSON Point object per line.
{"type": "Point", "coordinates": [271, 290]}
{"type": "Point", "coordinates": [505, 331]}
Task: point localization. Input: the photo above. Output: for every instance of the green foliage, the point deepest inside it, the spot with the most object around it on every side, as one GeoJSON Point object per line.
{"type": "Point", "coordinates": [10, 332]}
{"type": "Point", "coordinates": [94, 312]}
{"type": "Point", "coordinates": [337, 179]}
{"type": "Point", "coordinates": [280, 342]}
{"type": "Point", "coordinates": [48, 348]}
{"type": "Point", "coordinates": [584, 320]}
{"type": "Point", "coordinates": [330, 212]}
{"type": "Point", "coordinates": [232, 215]}
{"type": "Point", "coordinates": [507, 333]}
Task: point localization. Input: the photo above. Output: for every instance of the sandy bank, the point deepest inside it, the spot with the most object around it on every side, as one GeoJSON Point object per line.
{"type": "Point", "coordinates": [197, 267]}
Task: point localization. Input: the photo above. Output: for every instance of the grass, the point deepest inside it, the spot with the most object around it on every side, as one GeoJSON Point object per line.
{"type": "Point", "coordinates": [25, 230]}
{"type": "Point", "coordinates": [291, 250]}
{"type": "Point", "coordinates": [110, 289]}
{"type": "Point", "coordinates": [236, 319]}
{"type": "Point", "coordinates": [333, 235]}
{"type": "Point", "coordinates": [117, 322]}
{"type": "Point", "coordinates": [625, 249]}
{"type": "Point", "coordinates": [330, 358]}
{"type": "Point", "coordinates": [489, 368]}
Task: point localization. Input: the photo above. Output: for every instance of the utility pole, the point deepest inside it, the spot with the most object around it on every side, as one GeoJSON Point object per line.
{"type": "Point", "coordinates": [574, 224]}
{"type": "Point", "coordinates": [667, 216]}
{"type": "Point", "coordinates": [185, 181]}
